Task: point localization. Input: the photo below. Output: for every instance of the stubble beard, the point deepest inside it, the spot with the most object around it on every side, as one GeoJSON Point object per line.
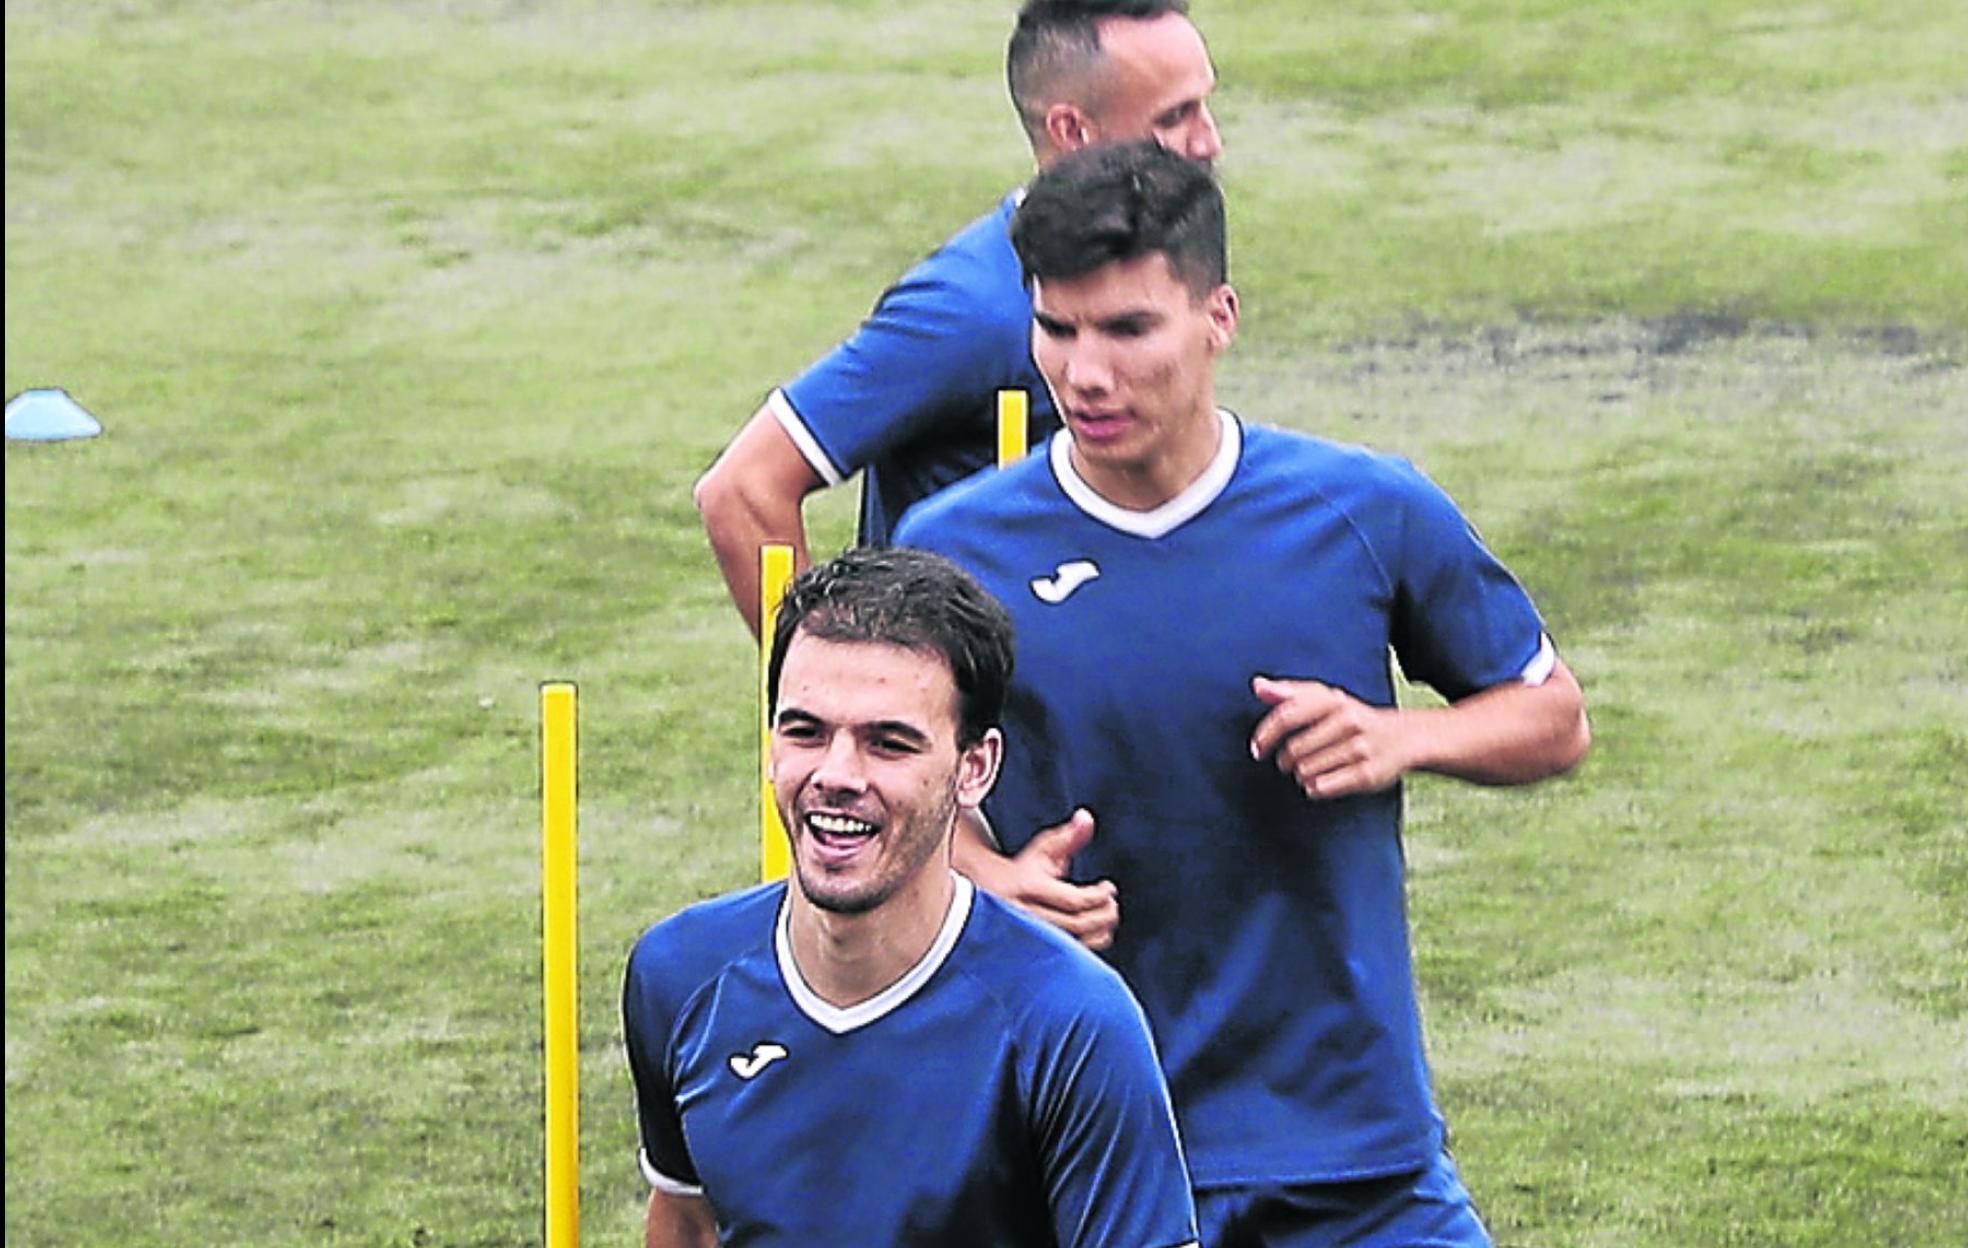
{"type": "Point", "coordinates": [915, 843]}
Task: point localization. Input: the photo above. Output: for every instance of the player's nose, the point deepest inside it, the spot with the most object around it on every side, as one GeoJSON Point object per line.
{"type": "Point", "coordinates": [841, 766]}
{"type": "Point", "coordinates": [1087, 372]}
{"type": "Point", "coordinates": [1205, 141]}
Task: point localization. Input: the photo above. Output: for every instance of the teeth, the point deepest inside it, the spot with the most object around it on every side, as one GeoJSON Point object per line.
{"type": "Point", "coordinates": [839, 825]}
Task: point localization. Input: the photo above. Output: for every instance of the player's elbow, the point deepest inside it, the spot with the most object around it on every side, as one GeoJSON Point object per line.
{"type": "Point", "coordinates": [754, 490]}
{"type": "Point", "coordinates": [711, 492]}
{"type": "Point", "coordinates": [720, 496]}
{"type": "Point", "coordinates": [1573, 742]}
{"type": "Point", "coordinates": [1569, 738]}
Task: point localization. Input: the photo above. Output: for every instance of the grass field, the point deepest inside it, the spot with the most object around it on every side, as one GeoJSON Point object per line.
{"type": "Point", "coordinates": [411, 327]}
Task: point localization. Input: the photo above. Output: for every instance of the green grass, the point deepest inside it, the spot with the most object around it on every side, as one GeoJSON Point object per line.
{"type": "Point", "coordinates": [411, 328]}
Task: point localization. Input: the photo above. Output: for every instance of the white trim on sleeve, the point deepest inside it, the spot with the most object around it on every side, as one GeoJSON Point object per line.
{"type": "Point", "coordinates": [1542, 664]}
{"type": "Point", "coordinates": [781, 408]}
{"type": "Point", "coordinates": [663, 1182]}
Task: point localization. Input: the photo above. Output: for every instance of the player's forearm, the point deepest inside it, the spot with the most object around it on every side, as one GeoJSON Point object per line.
{"type": "Point", "coordinates": [1511, 734]}
{"type": "Point", "coordinates": [679, 1222]}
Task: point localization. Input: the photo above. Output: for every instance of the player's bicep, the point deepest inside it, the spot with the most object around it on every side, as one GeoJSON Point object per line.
{"type": "Point", "coordinates": [1462, 621]}
{"type": "Point", "coordinates": [665, 1155]}
{"type": "Point", "coordinates": [927, 355]}
{"type": "Point", "coordinates": [1115, 1170]}
{"type": "Point", "coordinates": [767, 460]}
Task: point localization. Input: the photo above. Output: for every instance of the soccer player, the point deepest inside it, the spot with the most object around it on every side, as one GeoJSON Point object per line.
{"type": "Point", "coordinates": [1205, 612]}
{"type": "Point", "coordinates": [910, 398]}
{"type": "Point", "coordinates": [877, 1053]}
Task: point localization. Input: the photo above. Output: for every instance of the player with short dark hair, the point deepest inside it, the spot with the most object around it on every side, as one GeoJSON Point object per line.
{"type": "Point", "coordinates": [877, 1053]}
{"type": "Point", "coordinates": [898, 598]}
{"type": "Point", "coordinates": [1131, 207]}
{"type": "Point", "coordinates": [1056, 54]}
{"type": "Point", "coordinates": [1206, 612]}
{"type": "Point", "coordinates": [910, 399]}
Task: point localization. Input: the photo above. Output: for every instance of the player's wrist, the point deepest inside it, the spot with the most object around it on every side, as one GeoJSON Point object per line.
{"type": "Point", "coordinates": [1430, 740]}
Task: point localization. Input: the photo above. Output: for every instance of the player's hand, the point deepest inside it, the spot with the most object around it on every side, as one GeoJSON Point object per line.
{"type": "Point", "coordinates": [1035, 880]}
{"type": "Point", "coordinates": [1329, 741]}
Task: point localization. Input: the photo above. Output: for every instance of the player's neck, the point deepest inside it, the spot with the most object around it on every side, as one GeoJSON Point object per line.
{"type": "Point", "coordinates": [848, 958]}
{"type": "Point", "coordinates": [1156, 479]}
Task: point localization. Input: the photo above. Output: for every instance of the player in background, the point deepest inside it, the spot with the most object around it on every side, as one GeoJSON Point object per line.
{"type": "Point", "coordinates": [910, 398]}
{"type": "Point", "coordinates": [876, 1052]}
{"type": "Point", "coordinates": [1205, 614]}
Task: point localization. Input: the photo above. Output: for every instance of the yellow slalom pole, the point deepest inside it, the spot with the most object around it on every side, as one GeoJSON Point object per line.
{"type": "Point", "coordinates": [775, 572]}
{"type": "Point", "coordinates": [558, 803]}
{"type": "Point", "coordinates": [1012, 427]}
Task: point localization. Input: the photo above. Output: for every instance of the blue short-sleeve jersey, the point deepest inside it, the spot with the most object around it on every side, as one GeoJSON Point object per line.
{"type": "Point", "coordinates": [1003, 1091]}
{"type": "Point", "coordinates": [911, 397]}
{"type": "Point", "coordinates": [1264, 933]}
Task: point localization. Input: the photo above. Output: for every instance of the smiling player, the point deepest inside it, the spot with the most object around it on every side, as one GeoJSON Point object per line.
{"type": "Point", "coordinates": [876, 1053]}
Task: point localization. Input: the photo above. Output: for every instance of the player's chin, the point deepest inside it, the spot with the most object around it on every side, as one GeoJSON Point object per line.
{"type": "Point", "coordinates": [836, 868]}
{"type": "Point", "coordinates": [829, 891]}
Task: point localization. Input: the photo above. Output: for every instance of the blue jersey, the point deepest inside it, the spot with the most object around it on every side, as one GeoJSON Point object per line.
{"type": "Point", "coordinates": [1003, 1092]}
{"type": "Point", "coordinates": [911, 398]}
{"type": "Point", "coordinates": [1264, 933]}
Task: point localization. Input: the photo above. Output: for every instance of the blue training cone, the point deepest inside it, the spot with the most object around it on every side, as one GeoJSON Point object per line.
{"type": "Point", "coordinates": [48, 416]}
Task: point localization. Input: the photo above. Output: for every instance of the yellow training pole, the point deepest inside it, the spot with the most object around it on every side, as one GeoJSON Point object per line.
{"type": "Point", "coordinates": [775, 572]}
{"type": "Point", "coordinates": [1012, 429]}
{"type": "Point", "coordinates": [558, 803]}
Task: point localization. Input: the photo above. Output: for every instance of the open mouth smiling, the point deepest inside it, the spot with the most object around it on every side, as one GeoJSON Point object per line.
{"type": "Point", "coordinates": [837, 831]}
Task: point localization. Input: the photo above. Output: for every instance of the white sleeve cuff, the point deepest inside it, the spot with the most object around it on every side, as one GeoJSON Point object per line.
{"type": "Point", "coordinates": [1542, 664]}
{"type": "Point", "coordinates": [789, 420]}
{"type": "Point", "coordinates": [663, 1182]}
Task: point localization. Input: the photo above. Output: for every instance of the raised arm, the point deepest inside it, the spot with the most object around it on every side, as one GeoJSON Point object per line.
{"type": "Point", "coordinates": [751, 497]}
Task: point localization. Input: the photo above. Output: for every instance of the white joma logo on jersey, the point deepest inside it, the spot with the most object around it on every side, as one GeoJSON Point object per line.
{"type": "Point", "coordinates": [1058, 587]}
{"type": "Point", "coordinates": [763, 1054]}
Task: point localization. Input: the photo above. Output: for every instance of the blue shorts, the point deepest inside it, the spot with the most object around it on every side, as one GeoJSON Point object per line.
{"type": "Point", "coordinates": [1424, 1209]}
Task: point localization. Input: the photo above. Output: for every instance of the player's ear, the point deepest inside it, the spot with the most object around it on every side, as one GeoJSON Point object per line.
{"type": "Point", "coordinates": [977, 768]}
{"type": "Point", "coordinates": [1068, 128]}
{"type": "Point", "coordinates": [1224, 313]}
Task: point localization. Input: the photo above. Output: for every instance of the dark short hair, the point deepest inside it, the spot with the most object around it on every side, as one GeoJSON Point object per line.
{"type": "Point", "coordinates": [909, 598]}
{"type": "Point", "coordinates": [1055, 40]}
{"type": "Point", "coordinates": [1114, 202]}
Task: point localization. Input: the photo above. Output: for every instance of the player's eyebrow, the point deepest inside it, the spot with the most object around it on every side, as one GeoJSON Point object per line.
{"type": "Point", "coordinates": [1053, 325]}
{"type": "Point", "coordinates": [796, 717]}
{"type": "Point", "coordinates": [793, 716]}
{"type": "Point", "coordinates": [1192, 105]}
{"type": "Point", "coordinates": [1181, 111]}
{"type": "Point", "coordinates": [1131, 322]}
{"type": "Point", "coordinates": [896, 728]}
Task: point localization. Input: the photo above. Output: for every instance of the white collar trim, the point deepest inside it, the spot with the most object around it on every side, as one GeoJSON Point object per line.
{"type": "Point", "coordinates": [1157, 521]}
{"type": "Point", "coordinates": [841, 1020]}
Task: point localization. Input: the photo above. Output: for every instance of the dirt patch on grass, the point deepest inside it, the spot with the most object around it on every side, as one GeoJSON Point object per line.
{"type": "Point", "coordinates": [1678, 333]}
{"type": "Point", "coordinates": [1524, 397]}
